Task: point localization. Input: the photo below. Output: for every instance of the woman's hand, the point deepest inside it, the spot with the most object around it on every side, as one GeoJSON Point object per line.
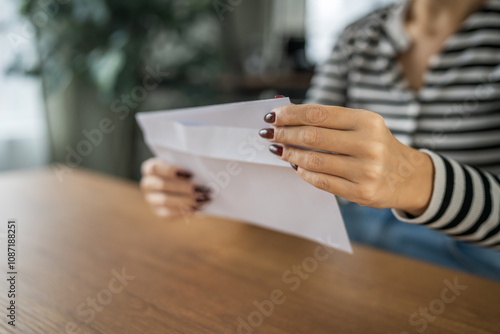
{"type": "Point", "coordinates": [168, 190]}
{"type": "Point", "coordinates": [372, 168]}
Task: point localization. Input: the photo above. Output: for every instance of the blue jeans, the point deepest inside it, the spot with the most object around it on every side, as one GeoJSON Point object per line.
{"type": "Point", "coordinates": [379, 228]}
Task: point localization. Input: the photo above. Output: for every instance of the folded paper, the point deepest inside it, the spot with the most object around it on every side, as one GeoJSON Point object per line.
{"type": "Point", "coordinates": [220, 145]}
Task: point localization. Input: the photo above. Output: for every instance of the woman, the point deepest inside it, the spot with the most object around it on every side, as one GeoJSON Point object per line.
{"type": "Point", "coordinates": [418, 133]}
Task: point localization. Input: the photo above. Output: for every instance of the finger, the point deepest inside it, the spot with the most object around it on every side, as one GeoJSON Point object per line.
{"type": "Point", "coordinates": [317, 115]}
{"type": "Point", "coordinates": [156, 166]}
{"type": "Point", "coordinates": [344, 142]}
{"type": "Point", "coordinates": [165, 212]}
{"type": "Point", "coordinates": [332, 164]}
{"type": "Point", "coordinates": [330, 183]}
{"type": "Point", "coordinates": [173, 200]}
{"type": "Point", "coordinates": [157, 184]}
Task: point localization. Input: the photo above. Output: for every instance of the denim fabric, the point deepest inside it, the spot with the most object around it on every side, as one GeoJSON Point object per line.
{"type": "Point", "coordinates": [379, 228]}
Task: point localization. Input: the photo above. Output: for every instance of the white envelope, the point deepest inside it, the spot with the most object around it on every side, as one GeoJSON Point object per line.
{"type": "Point", "coordinates": [220, 145]}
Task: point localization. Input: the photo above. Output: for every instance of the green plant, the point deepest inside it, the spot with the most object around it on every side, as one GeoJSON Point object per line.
{"type": "Point", "coordinates": [108, 43]}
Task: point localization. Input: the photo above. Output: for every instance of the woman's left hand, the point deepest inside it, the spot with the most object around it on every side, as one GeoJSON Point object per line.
{"type": "Point", "coordinates": [371, 167]}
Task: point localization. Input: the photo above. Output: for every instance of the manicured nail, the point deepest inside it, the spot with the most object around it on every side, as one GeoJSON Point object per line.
{"type": "Point", "coordinates": [202, 199]}
{"type": "Point", "coordinates": [202, 190]}
{"type": "Point", "coordinates": [294, 166]}
{"type": "Point", "coordinates": [276, 149]}
{"type": "Point", "coordinates": [267, 133]}
{"type": "Point", "coordinates": [184, 174]}
{"type": "Point", "coordinates": [270, 117]}
{"type": "Point", "coordinates": [279, 97]}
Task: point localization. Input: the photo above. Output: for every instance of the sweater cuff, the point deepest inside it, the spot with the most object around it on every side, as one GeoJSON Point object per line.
{"type": "Point", "coordinates": [437, 193]}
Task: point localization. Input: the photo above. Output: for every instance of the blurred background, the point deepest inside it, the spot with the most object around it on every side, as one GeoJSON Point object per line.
{"type": "Point", "coordinates": [74, 72]}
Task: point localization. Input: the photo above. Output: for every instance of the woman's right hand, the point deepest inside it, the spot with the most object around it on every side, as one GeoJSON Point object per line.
{"type": "Point", "coordinates": [168, 189]}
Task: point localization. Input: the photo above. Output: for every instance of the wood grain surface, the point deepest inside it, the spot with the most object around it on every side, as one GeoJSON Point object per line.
{"type": "Point", "coordinates": [92, 258]}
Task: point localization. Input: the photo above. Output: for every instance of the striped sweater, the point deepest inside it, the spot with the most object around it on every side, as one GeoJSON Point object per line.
{"type": "Point", "coordinates": [454, 118]}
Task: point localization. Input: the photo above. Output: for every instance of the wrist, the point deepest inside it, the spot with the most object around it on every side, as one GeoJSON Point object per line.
{"type": "Point", "coordinates": [415, 194]}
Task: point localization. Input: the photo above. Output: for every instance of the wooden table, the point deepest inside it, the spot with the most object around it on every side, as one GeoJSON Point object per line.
{"type": "Point", "coordinates": [93, 259]}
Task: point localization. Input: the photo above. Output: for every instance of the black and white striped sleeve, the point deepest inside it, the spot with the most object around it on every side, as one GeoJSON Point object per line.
{"type": "Point", "coordinates": [329, 84]}
{"type": "Point", "coordinates": [465, 203]}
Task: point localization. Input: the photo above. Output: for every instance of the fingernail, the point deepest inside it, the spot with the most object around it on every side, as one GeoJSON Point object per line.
{"type": "Point", "coordinates": [184, 174]}
{"type": "Point", "coordinates": [279, 97]}
{"type": "Point", "coordinates": [270, 117]}
{"type": "Point", "coordinates": [294, 166]}
{"type": "Point", "coordinates": [276, 149]}
{"type": "Point", "coordinates": [267, 133]}
{"type": "Point", "coordinates": [202, 199]}
{"type": "Point", "coordinates": [202, 190]}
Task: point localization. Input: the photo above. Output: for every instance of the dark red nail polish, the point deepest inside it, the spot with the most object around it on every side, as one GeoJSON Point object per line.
{"type": "Point", "coordinates": [202, 190]}
{"type": "Point", "coordinates": [294, 166]}
{"type": "Point", "coordinates": [267, 133]}
{"type": "Point", "coordinates": [279, 97]}
{"type": "Point", "coordinates": [202, 199]}
{"type": "Point", "coordinates": [184, 174]}
{"type": "Point", "coordinates": [276, 149]}
{"type": "Point", "coordinates": [270, 117]}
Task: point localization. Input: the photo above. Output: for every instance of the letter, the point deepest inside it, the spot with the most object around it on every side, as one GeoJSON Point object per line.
{"type": "Point", "coordinates": [123, 277]}
{"type": "Point", "coordinates": [405, 169]}
{"type": "Point", "coordinates": [80, 147]}
{"type": "Point", "coordinates": [106, 125]}
{"type": "Point", "coordinates": [215, 189]}
{"type": "Point", "coordinates": [72, 153]}
{"type": "Point", "coordinates": [266, 307]}
{"type": "Point", "coordinates": [95, 306]}
{"type": "Point", "coordinates": [455, 288]}
{"type": "Point", "coordinates": [72, 328]}
{"type": "Point", "coordinates": [60, 169]}
{"type": "Point", "coordinates": [276, 295]}
{"type": "Point", "coordinates": [254, 141]}
{"type": "Point", "coordinates": [139, 93]}
{"type": "Point", "coordinates": [127, 100]}
{"type": "Point", "coordinates": [255, 319]}
{"type": "Point", "coordinates": [226, 178]}
{"type": "Point", "coordinates": [413, 322]}
{"type": "Point", "coordinates": [147, 85]}
{"type": "Point", "coordinates": [243, 327]}
{"type": "Point", "coordinates": [446, 299]}
{"type": "Point", "coordinates": [114, 289]}
{"type": "Point", "coordinates": [436, 306]}
{"type": "Point", "coordinates": [94, 135]}
{"type": "Point", "coordinates": [82, 313]}
{"type": "Point", "coordinates": [123, 109]}
{"type": "Point", "coordinates": [244, 150]}
{"type": "Point", "coordinates": [233, 168]}
{"type": "Point", "coordinates": [297, 271]}
{"type": "Point", "coordinates": [426, 315]}
{"type": "Point", "coordinates": [392, 179]}
{"type": "Point", "coordinates": [318, 257]}
{"type": "Point", "coordinates": [311, 261]}
{"type": "Point", "coordinates": [101, 299]}
{"type": "Point", "coordinates": [292, 279]}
